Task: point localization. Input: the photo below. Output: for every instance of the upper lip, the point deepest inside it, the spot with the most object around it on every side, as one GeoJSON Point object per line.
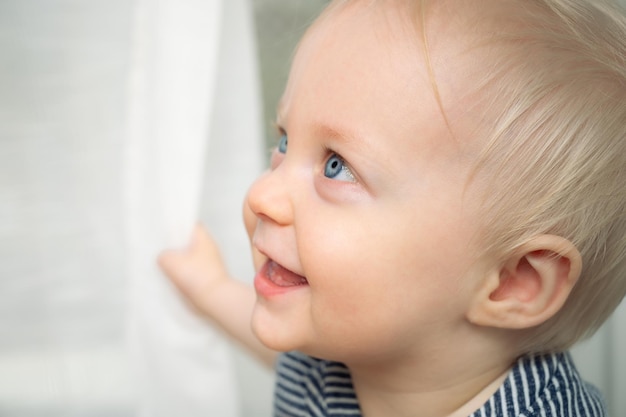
{"type": "Point", "coordinates": [259, 247]}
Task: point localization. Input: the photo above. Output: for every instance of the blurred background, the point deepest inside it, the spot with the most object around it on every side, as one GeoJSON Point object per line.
{"type": "Point", "coordinates": [279, 25]}
{"type": "Point", "coordinates": [121, 122]}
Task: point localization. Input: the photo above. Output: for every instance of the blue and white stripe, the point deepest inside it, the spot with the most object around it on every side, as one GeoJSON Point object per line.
{"type": "Point", "coordinates": [544, 386]}
{"type": "Point", "coordinates": [537, 386]}
{"type": "Point", "coordinates": [311, 387]}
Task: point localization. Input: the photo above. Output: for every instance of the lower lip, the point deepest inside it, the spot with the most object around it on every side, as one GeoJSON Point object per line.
{"type": "Point", "coordinates": [265, 287]}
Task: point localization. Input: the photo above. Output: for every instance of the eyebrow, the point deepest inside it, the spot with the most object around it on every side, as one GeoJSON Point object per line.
{"type": "Point", "coordinates": [342, 135]}
{"type": "Point", "coordinates": [320, 128]}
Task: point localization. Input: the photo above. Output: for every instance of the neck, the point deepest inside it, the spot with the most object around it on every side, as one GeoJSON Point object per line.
{"type": "Point", "coordinates": [427, 388]}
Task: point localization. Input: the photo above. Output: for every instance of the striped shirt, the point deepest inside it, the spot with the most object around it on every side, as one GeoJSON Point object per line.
{"type": "Point", "coordinates": [537, 386]}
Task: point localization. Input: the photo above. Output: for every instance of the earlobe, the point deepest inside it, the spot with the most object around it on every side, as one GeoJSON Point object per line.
{"type": "Point", "coordinates": [530, 287]}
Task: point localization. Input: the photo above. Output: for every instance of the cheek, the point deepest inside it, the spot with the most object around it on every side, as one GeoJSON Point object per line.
{"type": "Point", "coordinates": [351, 269]}
{"type": "Point", "coordinates": [362, 264]}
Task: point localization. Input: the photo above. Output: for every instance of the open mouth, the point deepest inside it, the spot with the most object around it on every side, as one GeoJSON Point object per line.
{"type": "Point", "coordinates": [281, 276]}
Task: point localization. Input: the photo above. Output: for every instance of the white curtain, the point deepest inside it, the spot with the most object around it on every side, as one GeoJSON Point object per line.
{"type": "Point", "coordinates": [121, 123]}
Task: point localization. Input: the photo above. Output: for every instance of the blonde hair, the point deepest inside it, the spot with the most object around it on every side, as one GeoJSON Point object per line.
{"type": "Point", "coordinates": [554, 158]}
{"type": "Point", "coordinates": [553, 124]}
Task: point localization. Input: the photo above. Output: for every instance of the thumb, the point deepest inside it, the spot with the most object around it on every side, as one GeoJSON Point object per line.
{"type": "Point", "coordinates": [202, 243]}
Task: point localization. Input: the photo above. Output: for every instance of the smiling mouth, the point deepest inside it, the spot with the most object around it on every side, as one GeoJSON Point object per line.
{"type": "Point", "coordinates": [281, 276]}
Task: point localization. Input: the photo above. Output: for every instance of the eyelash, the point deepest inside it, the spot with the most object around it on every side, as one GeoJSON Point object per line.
{"type": "Point", "coordinates": [283, 141]}
{"type": "Point", "coordinates": [280, 132]}
{"type": "Point", "coordinates": [345, 169]}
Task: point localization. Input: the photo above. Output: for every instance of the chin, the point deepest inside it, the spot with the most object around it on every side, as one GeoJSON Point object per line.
{"type": "Point", "coordinates": [271, 332]}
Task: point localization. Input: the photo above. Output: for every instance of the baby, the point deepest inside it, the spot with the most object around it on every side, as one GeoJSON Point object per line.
{"type": "Point", "coordinates": [444, 215]}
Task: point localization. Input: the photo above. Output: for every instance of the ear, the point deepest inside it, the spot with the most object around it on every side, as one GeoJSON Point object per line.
{"type": "Point", "coordinates": [530, 287]}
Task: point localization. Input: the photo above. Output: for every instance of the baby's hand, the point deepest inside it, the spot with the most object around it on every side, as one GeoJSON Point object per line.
{"type": "Point", "coordinates": [197, 270]}
{"type": "Point", "coordinates": [200, 274]}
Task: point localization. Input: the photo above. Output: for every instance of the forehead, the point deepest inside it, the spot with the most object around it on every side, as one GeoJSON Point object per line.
{"type": "Point", "coordinates": [361, 39]}
{"type": "Point", "coordinates": [364, 60]}
{"type": "Point", "coordinates": [363, 67]}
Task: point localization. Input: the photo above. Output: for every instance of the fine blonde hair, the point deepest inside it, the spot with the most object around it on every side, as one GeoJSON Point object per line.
{"type": "Point", "coordinates": [553, 116]}
{"type": "Point", "coordinates": [552, 124]}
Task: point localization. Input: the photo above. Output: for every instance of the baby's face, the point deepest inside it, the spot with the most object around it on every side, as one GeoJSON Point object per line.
{"type": "Point", "coordinates": [363, 229]}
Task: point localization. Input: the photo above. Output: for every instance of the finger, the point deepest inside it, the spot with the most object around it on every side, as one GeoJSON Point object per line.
{"type": "Point", "coordinates": [169, 261]}
{"type": "Point", "coordinates": [202, 243]}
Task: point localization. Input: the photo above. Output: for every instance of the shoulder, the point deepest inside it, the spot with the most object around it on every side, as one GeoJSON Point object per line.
{"type": "Point", "coordinates": [306, 386]}
{"type": "Point", "coordinates": [548, 386]}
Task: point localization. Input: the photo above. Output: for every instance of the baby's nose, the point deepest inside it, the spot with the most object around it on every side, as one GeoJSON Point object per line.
{"type": "Point", "coordinates": [268, 200]}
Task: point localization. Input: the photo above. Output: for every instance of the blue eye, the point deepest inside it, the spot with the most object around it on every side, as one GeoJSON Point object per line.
{"type": "Point", "coordinates": [282, 143]}
{"type": "Point", "coordinates": [336, 169]}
